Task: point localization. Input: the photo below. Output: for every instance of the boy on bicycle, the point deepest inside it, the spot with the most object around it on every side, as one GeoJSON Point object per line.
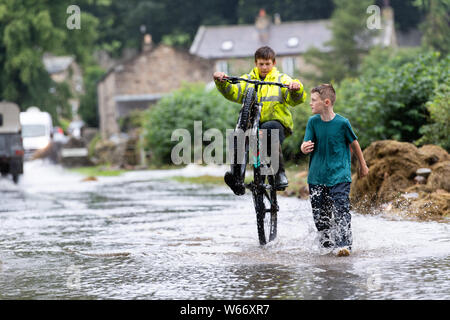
{"type": "Point", "coordinates": [275, 114]}
{"type": "Point", "coordinates": [327, 137]}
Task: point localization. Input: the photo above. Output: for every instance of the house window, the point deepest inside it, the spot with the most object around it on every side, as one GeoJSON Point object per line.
{"type": "Point", "coordinates": [289, 66]}
{"type": "Point", "coordinates": [222, 66]}
{"type": "Point", "coordinates": [1, 120]}
{"type": "Point", "coordinates": [292, 42]}
{"type": "Point", "coordinates": [227, 45]}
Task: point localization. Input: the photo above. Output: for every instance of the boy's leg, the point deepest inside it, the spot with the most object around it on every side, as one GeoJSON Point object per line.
{"type": "Point", "coordinates": [342, 217]}
{"type": "Point", "coordinates": [321, 213]}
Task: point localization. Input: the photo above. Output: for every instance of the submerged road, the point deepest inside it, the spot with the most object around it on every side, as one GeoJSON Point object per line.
{"type": "Point", "coordinates": [144, 236]}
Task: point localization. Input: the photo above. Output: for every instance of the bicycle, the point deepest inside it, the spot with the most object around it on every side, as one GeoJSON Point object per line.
{"type": "Point", "coordinates": [264, 194]}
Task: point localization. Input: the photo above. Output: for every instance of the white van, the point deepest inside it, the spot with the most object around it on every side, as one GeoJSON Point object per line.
{"type": "Point", "coordinates": [37, 128]}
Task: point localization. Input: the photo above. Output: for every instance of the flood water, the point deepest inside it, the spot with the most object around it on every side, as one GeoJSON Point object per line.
{"type": "Point", "coordinates": [144, 236]}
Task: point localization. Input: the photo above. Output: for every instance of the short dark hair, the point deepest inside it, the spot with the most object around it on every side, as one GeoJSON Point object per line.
{"type": "Point", "coordinates": [325, 91]}
{"type": "Point", "coordinates": [265, 53]}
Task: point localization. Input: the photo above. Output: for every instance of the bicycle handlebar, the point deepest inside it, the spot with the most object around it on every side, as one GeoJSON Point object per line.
{"type": "Point", "coordinates": [235, 80]}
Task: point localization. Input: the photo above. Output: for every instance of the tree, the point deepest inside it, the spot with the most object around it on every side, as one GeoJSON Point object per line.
{"type": "Point", "coordinates": [88, 103]}
{"type": "Point", "coordinates": [177, 21]}
{"type": "Point", "coordinates": [391, 98]}
{"type": "Point", "coordinates": [349, 37]}
{"type": "Point", "coordinates": [438, 130]}
{"type": "Point", "coordinates": [436, 27]}
{"type": "Point", "coordinates": [25, 33]}
{"type": "Point", "coordinates": [28, 29]}
{"type": "Point", "coordinates": [289, 10]}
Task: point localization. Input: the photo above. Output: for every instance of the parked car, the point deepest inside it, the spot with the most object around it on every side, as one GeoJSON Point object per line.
{"type": "Point", "coordinates": [11, 148]}
{"type": "Point", "coordinates": [37, 130]}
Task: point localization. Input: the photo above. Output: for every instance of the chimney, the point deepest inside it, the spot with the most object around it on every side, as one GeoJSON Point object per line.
{"type": "Point", "coordinates": [147, 43]}
{"type": "Point", "coordinates": [388, 32]}
{"type": "Point", "coordinates": [262, 25]}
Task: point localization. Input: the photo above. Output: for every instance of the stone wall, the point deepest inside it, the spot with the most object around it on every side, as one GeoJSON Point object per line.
{"type": "Point", "coordinates": [106, 91]}
{"type": "Point", "coordinates": [158, 71]}
{"type": "Point", "coordinates": [161, 71]}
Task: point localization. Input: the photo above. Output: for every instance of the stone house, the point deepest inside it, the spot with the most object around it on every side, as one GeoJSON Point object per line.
{"type": "Point", "coordinates": [232, 47]}
{"type": "Point", "coordinates": [142, 80]}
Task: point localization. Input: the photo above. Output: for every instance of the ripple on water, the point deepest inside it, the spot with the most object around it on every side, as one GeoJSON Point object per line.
{"type": "Point", "coordinates": [138, 236]}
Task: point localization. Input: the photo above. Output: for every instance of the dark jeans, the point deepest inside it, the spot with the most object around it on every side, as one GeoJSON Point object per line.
{"type": "Point", "coordinates": [269, 126]}
{"type": "Point", "coordinates": [331, 213]}
{"type": "Point", "coordinates": [273, 124]}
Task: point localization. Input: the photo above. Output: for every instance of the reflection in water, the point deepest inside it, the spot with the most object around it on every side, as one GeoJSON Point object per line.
{"type": "Point", "coordinates": [144, 236]}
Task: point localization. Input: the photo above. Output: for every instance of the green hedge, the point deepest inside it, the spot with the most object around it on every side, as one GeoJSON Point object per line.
{"type": "Point", "coordinates": [393, 96]}
{"type": "Point", "coordinates": [438, 131]}
{"type": "Point", "coordinates": [179, 110]}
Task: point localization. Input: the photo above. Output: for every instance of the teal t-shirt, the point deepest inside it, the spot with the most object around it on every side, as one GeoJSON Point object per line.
{"type": "Point", "coordinates": [329, 163]}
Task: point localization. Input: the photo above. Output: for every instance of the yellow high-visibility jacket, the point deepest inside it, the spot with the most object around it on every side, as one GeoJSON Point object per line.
{"type": "Point", "coordinates": [275, 100]}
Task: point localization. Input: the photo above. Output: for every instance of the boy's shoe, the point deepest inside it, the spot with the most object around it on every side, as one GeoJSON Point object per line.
{"type": "Point", "coordinates": [230, 180]}
{"type": "Point", "coordinates": [281, 181]}
{"type": "Point", "coordinates": [342, 252]}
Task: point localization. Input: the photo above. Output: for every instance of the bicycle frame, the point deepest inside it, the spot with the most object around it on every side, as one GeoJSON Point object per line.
{"type": "Point", "coordinates": [260, 190]}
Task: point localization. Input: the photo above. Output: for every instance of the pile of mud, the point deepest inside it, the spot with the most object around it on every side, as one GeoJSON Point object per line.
{"type": "Point", "coordinates": [395, 182]}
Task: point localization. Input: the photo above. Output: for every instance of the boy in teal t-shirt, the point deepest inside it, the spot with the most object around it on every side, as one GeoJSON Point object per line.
{"type": "Point", "coordinates": [328, 137]}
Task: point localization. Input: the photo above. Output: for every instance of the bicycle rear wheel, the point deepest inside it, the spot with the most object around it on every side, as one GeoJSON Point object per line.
{"type": "Point", "coordinates": [266, 207]}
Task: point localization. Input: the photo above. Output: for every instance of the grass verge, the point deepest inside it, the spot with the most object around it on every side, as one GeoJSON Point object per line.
{"type": "Point", "coordinates": [100, 171]}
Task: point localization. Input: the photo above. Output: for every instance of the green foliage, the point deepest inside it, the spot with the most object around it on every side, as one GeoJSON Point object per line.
{"type": "Point", "coordinates": [349, 31]}
{"type": "Point", "coordinates": [438, 131]}
{"type": "Point", "coordinates": [28, 29]}
{"type": "Point", "coordinates": [88, 103]}
{"type": "Point", "coordinates": [179, 110]}
{"type": "Point", "coordinates": [91, 148]}
{"type": "Point", "coordinates": [134, 120]}
{"type": "Point", "coordinates": [289, 10]}
{"type": "Point", "coordinates": [300, 116]}
{"type": "Point", "coordinates": [179, 39]}
{"type": "Point", "coordinates": [121, 21]}
{"type": "Point", "coordinates": [388, 100]}
{"type": "Point", "coordinates": [436, 27]}
{"type": "Point", "coordinates": [407, 16]}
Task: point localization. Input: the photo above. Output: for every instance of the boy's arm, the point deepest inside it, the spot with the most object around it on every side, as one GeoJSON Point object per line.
{"type": "Point", "coordinates": [291, 96]}
{"type": "Point", "coordinates": [363, 169]}
{"type": "Point", "coordinates": [308, 141]}
{"type": "Point", "coordinates": [232, 92]}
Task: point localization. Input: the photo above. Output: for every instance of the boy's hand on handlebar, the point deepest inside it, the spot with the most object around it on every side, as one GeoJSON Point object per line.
{"type": "Point", "coordinates": [220, 76]}
{"type": "Point", "coordinates": [294, 86]}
